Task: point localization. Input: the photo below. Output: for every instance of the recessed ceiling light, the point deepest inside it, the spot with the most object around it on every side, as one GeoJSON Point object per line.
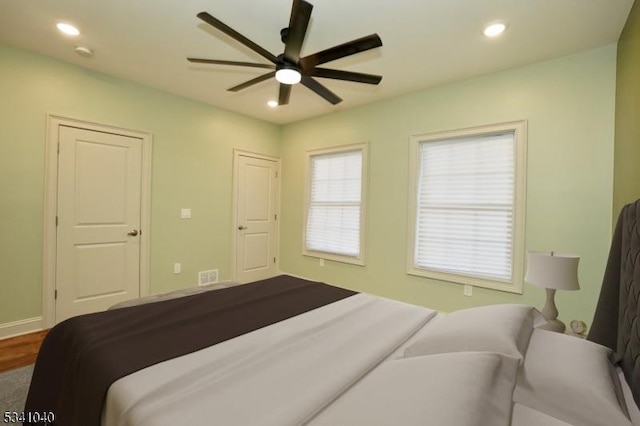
{"type": "Point", "coordinates": [272, 104]}
{"type": "Point", "coordinates": [495, 29]}
{"type": "Point", "coordinates": [68, 29]}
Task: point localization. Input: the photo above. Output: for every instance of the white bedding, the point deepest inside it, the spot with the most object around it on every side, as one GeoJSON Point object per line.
{"type": "Point", "coordinates": [432, 390]}
{"type": "Point", "coordinates": [572, 380]}
{"type": "Point", "coordinates": [278, 375]}
{"type": "Point", "coordinates": [343, 364]}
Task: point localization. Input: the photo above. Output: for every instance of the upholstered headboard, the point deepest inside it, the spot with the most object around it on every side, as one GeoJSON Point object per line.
{"type": "Point", "coordinates": [616, 323]}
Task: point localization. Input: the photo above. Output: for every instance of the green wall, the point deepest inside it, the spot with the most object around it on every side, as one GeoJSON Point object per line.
{"type": "Point", "coordinates": [192, 167]}
{"type": "Point", "coordinates": [568, 102]}
{"type": "Point", "coordinates": [569, 105]}
{"type": "Point", "coordinates": [626, 183]}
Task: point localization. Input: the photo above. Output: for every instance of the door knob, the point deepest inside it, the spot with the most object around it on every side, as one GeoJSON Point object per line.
{"type": "Point", "coordinates": [242, 227]}
{"type": "Point", "coordinates": [133, 233]}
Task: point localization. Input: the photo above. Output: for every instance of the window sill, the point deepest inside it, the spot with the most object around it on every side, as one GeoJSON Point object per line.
{"type": "Point", "coordinates": [508, 287]}
{"type": "Point", "coordinates": [335, 257]}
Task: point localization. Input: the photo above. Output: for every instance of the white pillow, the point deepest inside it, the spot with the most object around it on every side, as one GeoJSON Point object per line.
{"type": "Point", "coordinates": [525, 416]}
{"type": "Point", "coordinates": [571, 379]}
{"type": "Point", "coordinates": [458, 389]}
{"type": "Point", "coordinates": [632, 408]}
{"type": "Point", "coordinates": [496, 328]}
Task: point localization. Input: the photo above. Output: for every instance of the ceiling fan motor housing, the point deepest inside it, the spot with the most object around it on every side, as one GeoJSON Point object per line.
{"type": "Point", "coordinates": [284, 33]}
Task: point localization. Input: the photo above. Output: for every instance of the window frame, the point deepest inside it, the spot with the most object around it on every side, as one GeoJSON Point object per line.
{"type": "Point", "coordinates": [360, 259]}
{"type": "Point", "coordinates": [515, 283]}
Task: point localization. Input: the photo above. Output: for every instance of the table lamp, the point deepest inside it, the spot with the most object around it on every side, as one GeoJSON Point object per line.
{"type": "Point", "coordinates": [552, 271]}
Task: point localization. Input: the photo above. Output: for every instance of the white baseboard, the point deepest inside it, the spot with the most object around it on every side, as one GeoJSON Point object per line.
{"type": "Point", "coordinates": [296, 276]}
{"type": "Point", "coordinates": [16, 328]}
{"type": "Point", "coordinates": [229, 283]}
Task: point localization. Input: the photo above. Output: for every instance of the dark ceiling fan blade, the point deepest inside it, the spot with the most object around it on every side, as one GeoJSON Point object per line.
{"type": "Point", "coordinates": [346, 49]}
{"type": "Point", "coordinates": [320, 90]}
{"type": "Point", "coordinates": [285, 93]}
{"type": "Point", "coordinates": [251, 82]}
{"type": "Point", "coordinates": [358, 77]}
{"type": "Point", "coordinates": [298, 23]}
{"type": "Point", "coordinates": [236, 35]}
{"type": "Point", "coordinates": [220, 62]}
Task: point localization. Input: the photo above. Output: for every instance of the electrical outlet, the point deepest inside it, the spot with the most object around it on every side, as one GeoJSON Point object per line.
{"type": "Point", "coordinates": [177, 268]}
{"type": "Point", "coordinates": [468, 290]}
{"type": "Point", "coordinates": [185, 213]}
{"type": "Point", "coordinates": [321, 262]}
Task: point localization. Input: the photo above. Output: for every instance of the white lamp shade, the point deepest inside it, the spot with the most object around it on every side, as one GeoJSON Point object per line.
{"type": "Point", "coordinates": [553, 270]}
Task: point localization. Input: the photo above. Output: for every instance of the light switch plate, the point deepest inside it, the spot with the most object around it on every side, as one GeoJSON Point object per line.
{"type": "Point", "coordinates": [468, 290]}
{"type": "Point", "coordinates": [185, 213]}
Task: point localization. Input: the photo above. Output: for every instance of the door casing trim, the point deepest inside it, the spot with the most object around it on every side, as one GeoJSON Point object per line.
{"type": "Point", "coordinates": [237, 153]}
{"type": "Point", "coordinates": [51, 206]}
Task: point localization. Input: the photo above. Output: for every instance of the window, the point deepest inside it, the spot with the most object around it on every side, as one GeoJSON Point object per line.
{"type": "Point", "coordinates": [467, 206]}
{"type": "Point", "coordinates": [335, 209]}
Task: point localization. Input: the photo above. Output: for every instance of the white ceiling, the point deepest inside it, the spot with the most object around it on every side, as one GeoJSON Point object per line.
{"type": "Point", "coordinates": [425, 42]}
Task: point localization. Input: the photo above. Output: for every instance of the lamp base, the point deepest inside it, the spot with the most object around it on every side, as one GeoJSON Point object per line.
{"type": "Point", "coordinates": [550, 313]}
{"type": "Point", "coordinates": [553, 325]}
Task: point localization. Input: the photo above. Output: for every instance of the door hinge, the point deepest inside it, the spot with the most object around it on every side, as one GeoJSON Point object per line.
{"type": "Point", "coordinates": [274, 260]}
{"type": "Point", "coordinates": [55, 294]}
{"type": "Point", "coordinates": [276, 173]}
{"type": "Point", "coordinates": [58, 147]}
{"type": "Point", "coordinates": [275, 216]}
{"type": "Point", "coordinates": [56, 220]}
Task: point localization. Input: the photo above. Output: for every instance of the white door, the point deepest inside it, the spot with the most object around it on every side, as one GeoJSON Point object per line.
{"type": "Point", "coordinates": [98, 232]}
{"type": "Point", "coordinates": [256, 207]}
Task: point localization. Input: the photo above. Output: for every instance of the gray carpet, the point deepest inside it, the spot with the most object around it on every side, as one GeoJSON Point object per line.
{"type": "Point", "coordinates": [14, 385]}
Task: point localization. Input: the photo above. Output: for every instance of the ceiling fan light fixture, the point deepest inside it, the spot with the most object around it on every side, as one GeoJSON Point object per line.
{"type": "Point", "coordinates": [288, 76]}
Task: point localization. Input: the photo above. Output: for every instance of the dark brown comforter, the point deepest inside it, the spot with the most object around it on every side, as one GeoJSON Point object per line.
{"type": "Point", "coordinates": [81, 357]}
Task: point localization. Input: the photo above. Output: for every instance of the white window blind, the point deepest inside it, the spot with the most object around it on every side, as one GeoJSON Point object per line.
{"type": "Point", "coordinates": [334, 210]}
{"type": "Point", "coordinates": [465, 207]}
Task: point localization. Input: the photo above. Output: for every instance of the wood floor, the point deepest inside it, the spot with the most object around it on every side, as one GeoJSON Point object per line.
{"type": "Point", "coordinates": [20, 351]}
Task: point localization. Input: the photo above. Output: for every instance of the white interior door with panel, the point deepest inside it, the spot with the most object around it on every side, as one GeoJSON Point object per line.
{"type": "Point", "coordinates": [98, 221]}
{"type": "Point", "coordinates": [256, 218]}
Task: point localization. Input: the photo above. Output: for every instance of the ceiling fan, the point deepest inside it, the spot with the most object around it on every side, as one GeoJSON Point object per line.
{"type": "Point", "coordinates": [289, 68]}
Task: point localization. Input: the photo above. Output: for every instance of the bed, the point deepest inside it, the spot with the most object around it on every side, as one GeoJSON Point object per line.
{"type": "Point", "coordinates": [288, 351]}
